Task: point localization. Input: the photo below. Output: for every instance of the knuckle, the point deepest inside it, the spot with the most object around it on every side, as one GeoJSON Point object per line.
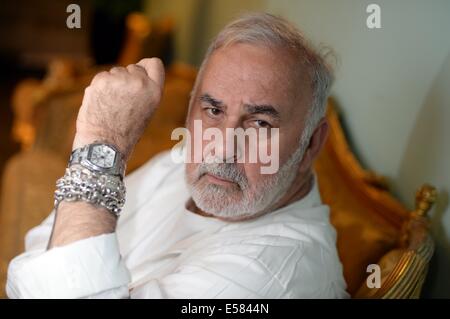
{"type": "Point", "coordinates": [88, 89]}
{"type": "Point", "coordinates": [117, 69]}
{"type": "Point", "coordinates": [138, 82]}
{"type": "Point", "coordinates": [131, 67]}
{"type": "Point", "coordinates": [142, 81]}
{"type": "Point", "coordinates": [99, 77]}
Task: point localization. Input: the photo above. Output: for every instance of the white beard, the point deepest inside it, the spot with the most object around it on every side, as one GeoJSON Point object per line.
{"type": "Point", "coordinates": [246, 201]}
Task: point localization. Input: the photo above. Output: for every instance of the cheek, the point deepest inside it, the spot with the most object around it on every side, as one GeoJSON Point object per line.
{"type": "Point", "coordinates": [289, 143]}
{"type": "Point", "coordinates": [253, 174]}
{"type": "Point", "coordinates": [191, 172]}
{"type": "Point", "coordinates": [190, 167]}
{"type": "Point", "coordinates": [269, 163]}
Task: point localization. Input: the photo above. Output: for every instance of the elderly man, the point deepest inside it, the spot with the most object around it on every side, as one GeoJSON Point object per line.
{"type": "Point", "coordinates": [208, 229]}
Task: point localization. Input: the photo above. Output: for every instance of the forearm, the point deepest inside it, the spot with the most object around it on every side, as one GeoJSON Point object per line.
{"type": "Point", "coordinates": [115, 110]}
{"type": "Point", "coordinates": [79, 220]}
{"type": "Point", "coordinates": [117, 119]}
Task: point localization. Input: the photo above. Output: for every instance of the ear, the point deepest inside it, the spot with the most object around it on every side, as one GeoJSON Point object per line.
{"type": "Point", "coordinates": [316, 143]}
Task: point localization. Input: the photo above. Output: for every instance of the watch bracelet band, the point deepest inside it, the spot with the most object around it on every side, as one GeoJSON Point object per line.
{"type": "Point", "coordinates": [82, 184]}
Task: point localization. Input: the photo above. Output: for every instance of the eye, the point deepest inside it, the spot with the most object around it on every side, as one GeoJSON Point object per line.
{"type": "Point", "coordinates": [261, 123]}
{"type": "Point", "coordinates": [213, 111]}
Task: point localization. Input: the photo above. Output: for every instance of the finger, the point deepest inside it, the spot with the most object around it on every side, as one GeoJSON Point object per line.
{"type": "Point", "coordinates": [136, 68]}
{"type": "Point", "coordinates": [154, 68]}
{"type": "Point", "coordinates": [99, 77]}
{"type": "Point", "coordinates": [117, 70]}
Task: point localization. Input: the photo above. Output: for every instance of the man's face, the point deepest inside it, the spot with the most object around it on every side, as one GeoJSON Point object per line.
{"type": "Point", "coordinates": [247, 86]}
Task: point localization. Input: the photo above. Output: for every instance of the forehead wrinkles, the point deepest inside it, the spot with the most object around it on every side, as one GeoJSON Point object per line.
{"type": "Point", "coordinates": [247, 71]}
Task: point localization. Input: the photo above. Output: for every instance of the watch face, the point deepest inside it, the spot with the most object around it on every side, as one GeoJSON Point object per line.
{"type": "Point", "coordinates": [102, 156]}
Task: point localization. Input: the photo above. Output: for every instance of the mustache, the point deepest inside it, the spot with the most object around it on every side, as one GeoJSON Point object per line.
{"type": "Point", "coordinates": [228, 171]}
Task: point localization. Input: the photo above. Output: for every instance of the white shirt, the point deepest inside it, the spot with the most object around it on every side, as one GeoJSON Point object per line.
{"type": "Point", "coordinates": [162, 250]}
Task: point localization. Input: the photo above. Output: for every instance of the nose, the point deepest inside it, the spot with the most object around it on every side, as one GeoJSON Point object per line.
{"type": "Point", "coordinates": [227, 149]}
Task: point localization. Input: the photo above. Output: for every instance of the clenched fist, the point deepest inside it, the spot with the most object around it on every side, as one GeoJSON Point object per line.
{"type": "Point", "coordinates": [117, 105]}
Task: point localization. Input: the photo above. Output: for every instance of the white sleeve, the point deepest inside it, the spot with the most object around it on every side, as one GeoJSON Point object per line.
{"type": "Point", "coordinates": [90, 267]}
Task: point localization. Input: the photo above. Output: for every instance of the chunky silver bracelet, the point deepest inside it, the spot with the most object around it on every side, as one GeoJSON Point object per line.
{"type": "Point", "coordinates": [82, 184]}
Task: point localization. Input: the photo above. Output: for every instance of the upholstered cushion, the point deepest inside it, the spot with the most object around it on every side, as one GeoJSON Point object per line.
{"type": "Point", "coordinates": [363, 237]}
{"type": "Point", "coordinates": [27, 187]}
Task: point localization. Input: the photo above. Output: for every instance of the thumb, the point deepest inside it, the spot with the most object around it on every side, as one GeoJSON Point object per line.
{"type": "Point", "coordinates": [154, 68]}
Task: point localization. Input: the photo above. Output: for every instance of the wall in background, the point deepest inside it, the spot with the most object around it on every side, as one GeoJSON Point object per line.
{"type": "Point", "coordinates": [384, 74]}
{"type": "Point", "coordinates": [185, 13]}
{"type": "Point", "coordinates": [427, 158]}
{"type": "Point", "coordinates": [198, 21]}
{"type": "Point", "coordinates": [390, 85]}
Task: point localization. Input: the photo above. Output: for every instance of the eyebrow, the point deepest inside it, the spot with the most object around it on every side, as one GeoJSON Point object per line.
{"type": "Point", "coordinates": [262, 109]}
{"type": "Point", "coordinates": [212, 101]}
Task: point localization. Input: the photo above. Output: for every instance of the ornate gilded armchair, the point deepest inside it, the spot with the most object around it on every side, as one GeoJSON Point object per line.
{"type": "Point", "coordinates": [372, 226]}
{"type": "Point", "coordinates": [404, 269]}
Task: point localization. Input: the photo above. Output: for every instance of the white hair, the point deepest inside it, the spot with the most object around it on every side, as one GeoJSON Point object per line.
{"type": "Point", "coordinates": [274, 31]}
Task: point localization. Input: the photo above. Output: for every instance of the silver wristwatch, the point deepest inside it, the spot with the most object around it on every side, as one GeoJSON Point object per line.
{"type": "Point", "coordinates": [99, 157]}
{"type": "Point", "coordinates": [94, 175]}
